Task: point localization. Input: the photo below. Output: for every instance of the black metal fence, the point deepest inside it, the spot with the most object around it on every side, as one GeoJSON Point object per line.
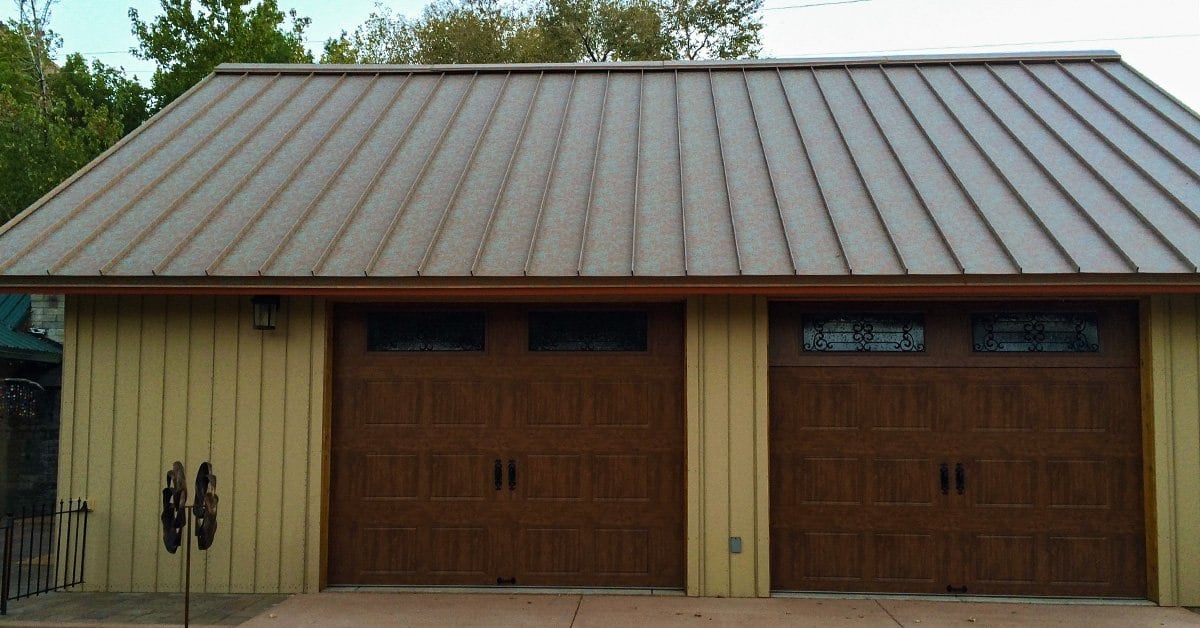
{"type": "Point", "coordinates": [44, 549]}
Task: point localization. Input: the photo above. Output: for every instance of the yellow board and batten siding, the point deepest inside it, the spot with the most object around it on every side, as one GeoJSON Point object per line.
{"type": "Point", "coordinates": [1174, 395]}
{"type": "Point", "coordinates": [152, 379]}
{"type": "Point", "coordinates": [149, 379]}
{"type": "Point", "coordinates": [727, 446]}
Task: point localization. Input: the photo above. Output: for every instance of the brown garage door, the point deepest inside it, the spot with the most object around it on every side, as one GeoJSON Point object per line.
{"type": "Point", "coordinates": [1001, 457]}
{"type": "Point", "coordinates": [508, 444]}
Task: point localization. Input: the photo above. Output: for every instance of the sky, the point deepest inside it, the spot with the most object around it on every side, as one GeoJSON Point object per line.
{"type": "Point", "coordinates": [1160, 38]}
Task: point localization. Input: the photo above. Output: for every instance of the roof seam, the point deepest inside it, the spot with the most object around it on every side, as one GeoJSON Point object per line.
{"type": "Point", "coordinates": [384, 166]}
{"type": "Point", "coordinates": [887, 230]}
{"type": "Point", "coordinates": [145, 190]}
{"type": "Point", "coordinates": [66, 217]}
{"type": "Point", "coordinates": [787, 239]}
{"type": "Point", "coordinates": [1000, 174]}
{"type": "Point", "coordinates": [512, 158]}
{"type": "Point", "coordinates": [1062, 188]}
{"type": "Point", "coordinates": [351, 154]}
{"type": "Point", "coordinates": [173, 205]}
{"type": "Point", "coordinates": [682, 189]}
{"type": "Point", "coordinates": [737, 249]}
{"type": "Point", "coordinates": [637, 177]}
{"type": "Point", "coordinates": [1129, 205]}
{"type": "Point", "coordinates": [904, 169]}
{"type": "Point", "coordinates": [437, 147]}
{"type": "Point", "coordinates": [483, 131]}
{"type": "Point", "coordinates": [102, 157]}
{"type": "Point", "coordinates": [812, 168]}
{"type": "Point", "coordinates": [562, 124]}
{"type": "Point", "coordinates": [200, 226]}
{"type": "Point", "coordinates": [587, 210]}
{"type": "Point", "coordinates": [952, 172]}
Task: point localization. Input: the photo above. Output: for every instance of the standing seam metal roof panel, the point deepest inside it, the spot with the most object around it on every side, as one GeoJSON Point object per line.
{"type": "Point", "coordinates": [991, 165]}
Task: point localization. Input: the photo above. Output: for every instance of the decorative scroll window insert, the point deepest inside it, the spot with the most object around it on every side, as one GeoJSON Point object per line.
{"type": "Point", "coordinates": [587, 331]}
{"type": "Point", "coordinates": [1068, 332]}
{"type": "Point", "coordinates": [870, 333]}
{"type": "Point", "coordinates": [425, 331]}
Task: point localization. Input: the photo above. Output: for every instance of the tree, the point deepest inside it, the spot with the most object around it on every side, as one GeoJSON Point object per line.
{"type": "Point", "coordinates": [53, 120]}
{"type": "Point", "coordinates": [192, 37]}
{"type": "Point", "coordinates": [713, 29]}
{"type": "Point", "coordinates": [603, 30]}
{"type": "Point", "coordinates": [383, 38]}
{"type": "Point", "coordinates": [490, 31]}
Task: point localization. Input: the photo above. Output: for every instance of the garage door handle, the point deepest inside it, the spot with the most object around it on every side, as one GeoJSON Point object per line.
{"type": "Point", "coordinates": [497, 474]}
{"type": "Point", "coordinates": [960, 478]}
{"type": "Point", "coordinates": [944, 474]}
{"type": "Point", "coordinates": [512, 475]}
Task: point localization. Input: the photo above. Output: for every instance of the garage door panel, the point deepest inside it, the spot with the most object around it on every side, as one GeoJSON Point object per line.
{"type": "Point", "coordinates": [590, 446]}
{"type": "Point", "coordinates": [1042, 455]}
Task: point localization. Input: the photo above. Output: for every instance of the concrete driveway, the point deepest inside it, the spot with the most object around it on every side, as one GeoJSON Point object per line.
{"type": "Point", "coordinates": [578, 611]}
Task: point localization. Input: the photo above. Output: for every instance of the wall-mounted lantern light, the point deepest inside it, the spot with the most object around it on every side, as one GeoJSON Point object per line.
{"type": "Point", "coordinates": [266, 308]}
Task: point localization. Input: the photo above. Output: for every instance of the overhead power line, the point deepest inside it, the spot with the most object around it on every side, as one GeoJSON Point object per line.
{"type": "Point", "coordinates": [1019, 43]}
{"type": "Point", "coordinates": [813, 4]}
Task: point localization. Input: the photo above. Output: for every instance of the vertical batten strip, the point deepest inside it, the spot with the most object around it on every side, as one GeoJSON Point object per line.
{"type": "Point", "coordinates": [762, 467]}
{"type": "Point", "coordinates": [223, 451]}
{"type": "Point", "coordinates": [291, 524]}
{"type": "Point", "coordinates": [907, 175]}
{"type": "Point", "coordinates": [417, 180]}
{"type": "Point", "coordinates": [587, 210]}
{"type": "Point", "coordinates": [1058, 184]}
{"type": "Point", "coordinates": [100, 447]}
{"type": "Point", "coordinates": [562, 124]}
{"type": "Point", "coordinates": [317, 445]}
{"type": "Point", "coordinates": [147, 536]}
{"type": "Point", "coordinates": [694, 399]}
{"type": "Point", "coordinates": [271, 463]}
{"type": "Point", "coordinates": [737, 250]}
{"type": "Point", "coordinates": [952, 172]}
{"type": "Point", "coordinates": [512, 158]}
{"type": "Point", "coordinates": [812, 169]}
{"type": "Point", "coordinates": [787, 238]}
{"type": "Point", "coordinates": [741, 444]}
{"type": "Point", "coordinates": [123, 474]}
{"type": "Point", "coordinates": [201, 363]}
{"type": "Point", "coordinates": [242, 528]}
{"type": "Point", "coordinates": [67, 405]}
{"type": "Point", "coordinates": [483, 131]}
{"type": "Point", "coordinates": [1058, 245]}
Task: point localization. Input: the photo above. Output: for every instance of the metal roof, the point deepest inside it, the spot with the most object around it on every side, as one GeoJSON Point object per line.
{"type": "Point", "coordinates": [1065, 164]}
{"type": "Point", "coordinates": [16, 344]}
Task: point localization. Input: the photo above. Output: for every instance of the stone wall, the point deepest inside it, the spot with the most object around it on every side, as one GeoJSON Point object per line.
{"type": "Point", "coordinates": [46, 312]}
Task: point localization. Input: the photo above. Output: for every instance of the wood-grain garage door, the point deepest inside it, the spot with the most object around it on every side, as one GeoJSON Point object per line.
{"type": "Point", "coordinates": [509, 445]}
{"type": "Point", "coordinates": [961, 467]}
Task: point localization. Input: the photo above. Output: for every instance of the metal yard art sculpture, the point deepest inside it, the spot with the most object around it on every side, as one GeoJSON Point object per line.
{"type": "Point", "coordinates": [177, 515]}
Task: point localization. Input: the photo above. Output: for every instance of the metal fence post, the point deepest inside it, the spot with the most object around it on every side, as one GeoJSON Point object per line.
{"type": "Point", "coordinates": [4, 582]}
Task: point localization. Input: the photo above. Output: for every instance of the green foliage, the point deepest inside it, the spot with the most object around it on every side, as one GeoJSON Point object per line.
{"type": "Point", "coordinates": [192, 37]}
{"type": "Point", "coordinates": [713, 29]}
{"type": "Point", "coordinates": [603, 30]}
{"type": "Point", "coordinates": [547, 31]}
{"type": "Point", "coordinates": [54, 120]}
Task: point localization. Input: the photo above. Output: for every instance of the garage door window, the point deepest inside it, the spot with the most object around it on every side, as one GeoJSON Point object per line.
{"type": "Point", "coordinates": [425, 331]}
{"type": "Point", "coordinates": [587, 331]}
{"type": "Point", "coordinates": [869, 333]}
{"type": "Point", "coordinates": [1035, 332]}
